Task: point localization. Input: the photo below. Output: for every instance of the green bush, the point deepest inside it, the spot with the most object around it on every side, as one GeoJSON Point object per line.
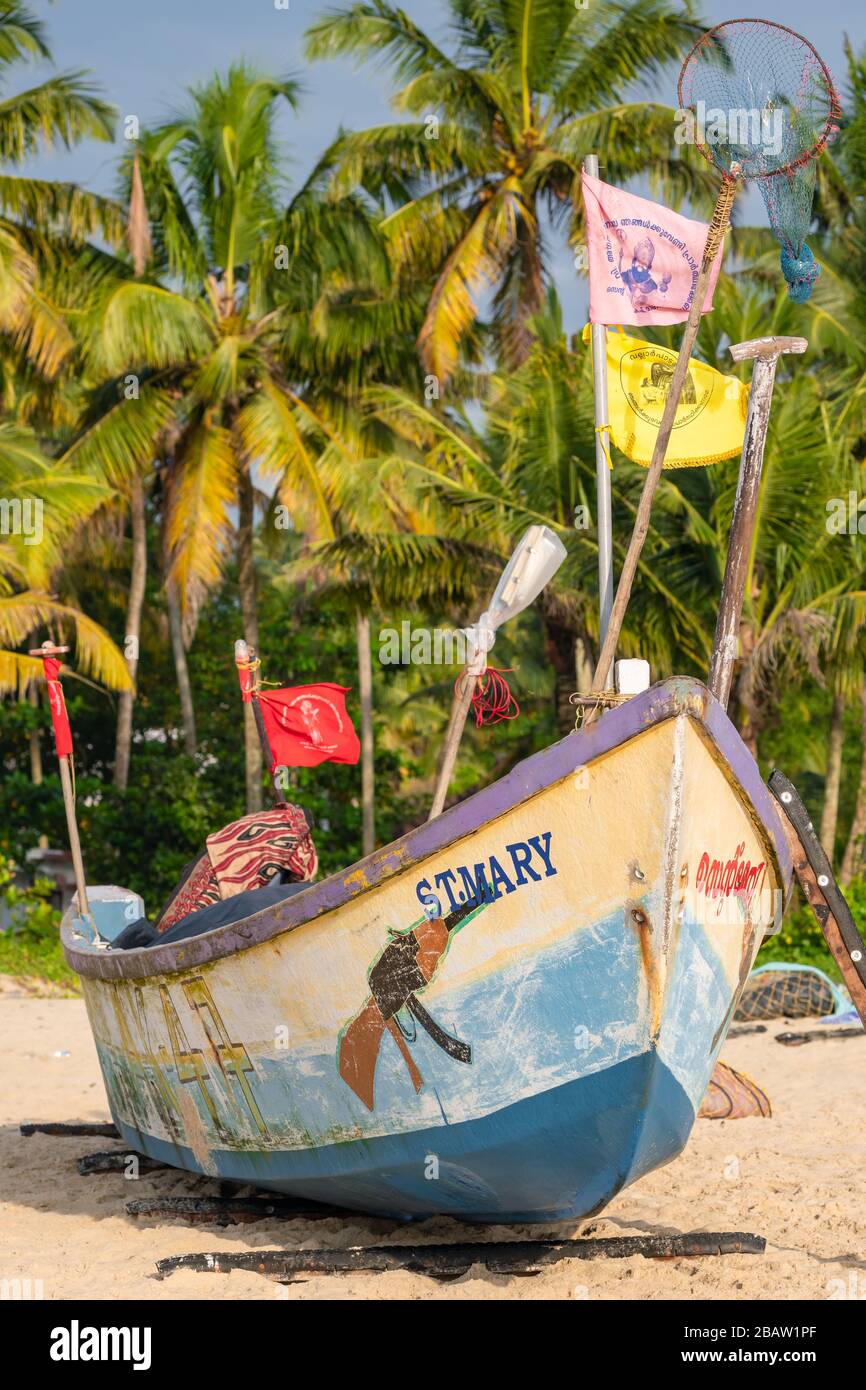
{"type": "Point", "coordinates": [30, 947]}
{"type": "Point", "coordinates": [801, 939]}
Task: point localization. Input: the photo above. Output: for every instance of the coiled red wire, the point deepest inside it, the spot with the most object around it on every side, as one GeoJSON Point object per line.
{"type": "Point", "coordinates": [492, 701]}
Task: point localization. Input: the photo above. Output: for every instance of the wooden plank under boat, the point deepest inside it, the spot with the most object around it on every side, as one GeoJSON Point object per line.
{"type": "Point", "coordinates": [508, 1014]}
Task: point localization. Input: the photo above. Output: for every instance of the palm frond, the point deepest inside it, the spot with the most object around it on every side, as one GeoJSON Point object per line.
{"type": "Point", "coordinates": [64, 207]}
{"type": "Point", "coordinates": [138, 323]}
{"type": "Point", "coordinates": [22, 615]}
{"type": "Point", "coordinates": [21, 34]}
{"type": "Point", "coordinates": [276, 434]}
{"type": "Point", "coordinates": [475, 265]}
{"type": "Point", "coordinates": [120, 434]}
{"type": "Point", "coordinates": [201, 495]}
{"type": "Point", "coordinates": [62, 110]}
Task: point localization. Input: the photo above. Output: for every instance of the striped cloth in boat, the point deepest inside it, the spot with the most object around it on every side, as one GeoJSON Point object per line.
{"type": "Point", "coordinates": [247, 854]}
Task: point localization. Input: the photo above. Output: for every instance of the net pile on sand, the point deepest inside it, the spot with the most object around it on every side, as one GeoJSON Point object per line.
{"type": "Point", "coordinates": [731, 1095]}
{"type": "Point", "coordinates": [789, 991]}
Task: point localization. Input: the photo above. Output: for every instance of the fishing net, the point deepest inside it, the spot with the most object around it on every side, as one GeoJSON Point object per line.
{"type": "Point", "coordinates": [764, 107]}
{"type": "Point", "coordinates": [731, 1095]}
{"type": "Point", "coordinates": [789, 992]}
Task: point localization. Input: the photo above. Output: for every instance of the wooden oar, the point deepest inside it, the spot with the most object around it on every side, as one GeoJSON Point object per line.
{"type": "Point", "coordinates": [766, 353]}
{"type": "Point", "coordinates": [464, 689]}
{"type": "Point", "coordinates": [534, 561]}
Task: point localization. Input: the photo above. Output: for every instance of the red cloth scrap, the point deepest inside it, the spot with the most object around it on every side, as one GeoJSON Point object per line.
{"type": "Point", "coordinates": [59, 717]}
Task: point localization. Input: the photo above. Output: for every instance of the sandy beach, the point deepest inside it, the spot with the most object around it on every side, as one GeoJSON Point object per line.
{"type": "Point", "coordinates": [796, 1178]}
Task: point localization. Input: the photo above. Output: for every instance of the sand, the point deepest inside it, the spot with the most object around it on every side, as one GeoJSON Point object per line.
{"type": "Point", "coordinates": [796, 1179]}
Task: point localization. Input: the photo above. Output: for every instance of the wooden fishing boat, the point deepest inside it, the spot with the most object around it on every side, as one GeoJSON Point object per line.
{"type": "Point", "coordinates": [508, 1014]}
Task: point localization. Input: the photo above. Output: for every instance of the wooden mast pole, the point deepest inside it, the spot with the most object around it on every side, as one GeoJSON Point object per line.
{"type": "Point", "coordinates": [766, 353]}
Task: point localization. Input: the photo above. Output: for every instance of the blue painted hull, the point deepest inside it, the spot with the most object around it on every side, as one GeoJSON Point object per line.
{"type": "Point", "coordinates": [562, 1154]}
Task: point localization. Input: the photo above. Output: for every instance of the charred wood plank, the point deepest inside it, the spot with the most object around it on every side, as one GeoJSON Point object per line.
{"type": "Point", "coordinates": [230, 1211]}
{"type": "Point", "coordinates": [111, 1161]}
{"type": "Point", "coordinates": [85, 1130]}
{"type": "Point", "coordinates": [452, 1261]}
{"type": "Point", "coordinates": [818, 1034]}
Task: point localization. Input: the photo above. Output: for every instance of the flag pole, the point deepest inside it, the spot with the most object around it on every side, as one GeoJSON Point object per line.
{"type": "Point", "coordinates": [63, 743]}
{"type": "Point", "coordinates": [604, 521]}
{"type": "Point", "coordinates": [247, 663]}
{"type": "Point", "coordinates": [715, 236]}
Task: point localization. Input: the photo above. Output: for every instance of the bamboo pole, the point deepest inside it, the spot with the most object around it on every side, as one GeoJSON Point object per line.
{"type": "Point", "coordinates": [715, 237]}
{"type": "Point", "coordinates": [463, 692]}
{"type": "Point", "coordinates": [74, 842]}
{"type": "Point", "coordinates": [246, 662]}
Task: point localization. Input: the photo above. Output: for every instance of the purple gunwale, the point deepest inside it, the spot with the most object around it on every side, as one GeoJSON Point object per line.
{"type": "Point", "coordinates": [679, 695]}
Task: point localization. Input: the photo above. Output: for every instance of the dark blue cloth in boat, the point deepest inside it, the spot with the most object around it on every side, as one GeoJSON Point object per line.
{"type": "Point", "coordinates": [220, 914]}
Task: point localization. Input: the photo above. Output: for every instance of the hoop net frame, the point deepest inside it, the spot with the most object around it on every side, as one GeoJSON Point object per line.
{"type": "Point", "coordinates": [765, 101]}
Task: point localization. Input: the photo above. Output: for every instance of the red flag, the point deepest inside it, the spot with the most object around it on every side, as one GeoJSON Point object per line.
{"type": "Point", "coordinates": [245, 676]}
{"type": "Point", "coordinates": [59, 717]}
{"type": "Point", "coordinates": [308, 725]}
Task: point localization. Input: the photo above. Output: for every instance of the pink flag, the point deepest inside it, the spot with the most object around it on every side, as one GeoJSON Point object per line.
{"type": "Point", "coordinates": [643, 259]}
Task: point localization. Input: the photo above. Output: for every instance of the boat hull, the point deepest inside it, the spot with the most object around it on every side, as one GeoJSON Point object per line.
{"type": "Point", "coordinates": [509, 1014]}
{"type": "Point", "coordinates": [560, 1154]}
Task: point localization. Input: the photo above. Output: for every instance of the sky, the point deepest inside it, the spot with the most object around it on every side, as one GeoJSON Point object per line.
{"type": "Point", "coordinates": [143, 55]}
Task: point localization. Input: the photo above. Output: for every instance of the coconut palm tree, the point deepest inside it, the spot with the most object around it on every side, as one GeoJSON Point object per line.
{"type": "Point", "coordinates": [362, 332]}
{"type": "Point", "coordinates": [533, 461]}
{"type": "Point", "coordinates": [836, 313]}
{"type": "Point", "coordinates": [38, 216]}
{"type": "Point", "coordinates": [499, 122]}
{"type": "Point", "coordinates": [43, 504]}
{"type": "Point", "coordinates": [207, 339]}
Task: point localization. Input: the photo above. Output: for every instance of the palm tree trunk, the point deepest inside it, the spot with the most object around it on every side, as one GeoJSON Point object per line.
{"type": "Point", "coordinates": [135, 604]}
{"type": "Point", "coordinates": [584, 665]}
{"type": "Point", "coordinates": [562, 654]}
{"type": "Point", "coordinates": [365, 690]}
{"type": "Point", "coordinates": [249, 615]}
{"type": "Point", "coordinates": [853, 856]}
{"type": "Point", "coordinates": [830, 810]}
{"type": "Point", "coordinates": [181, 667]}
{"type": "Point", "coordinates": [35, 743]}
{"type": "Point", "coordinates": [36, 771]}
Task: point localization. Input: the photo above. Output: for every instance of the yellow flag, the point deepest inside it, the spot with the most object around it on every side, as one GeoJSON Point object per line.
{"type": "Point", "coordinates": [711, 415]}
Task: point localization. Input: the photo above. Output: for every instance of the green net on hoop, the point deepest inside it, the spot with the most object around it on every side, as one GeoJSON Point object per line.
{"type": "Point", "coordinates": [764, 107]}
